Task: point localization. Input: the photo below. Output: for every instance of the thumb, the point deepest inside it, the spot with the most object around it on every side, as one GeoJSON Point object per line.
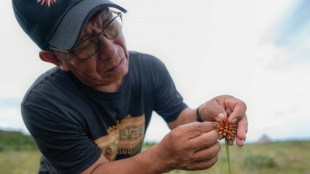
{"type": "Point", "coordinates": [212, 111]}
{"type": "Point", "coordinates": [194, 129]}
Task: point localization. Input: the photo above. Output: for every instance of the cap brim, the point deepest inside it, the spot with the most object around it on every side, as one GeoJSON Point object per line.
{"type": "Point", "coordinates": [69, 29]}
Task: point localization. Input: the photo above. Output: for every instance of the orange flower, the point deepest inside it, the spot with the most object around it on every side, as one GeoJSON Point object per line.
{"type": "Point", "coordinates": [226, 130]}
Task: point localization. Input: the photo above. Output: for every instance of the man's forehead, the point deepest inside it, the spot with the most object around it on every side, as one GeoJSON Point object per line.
{"type": "Point", "coordinates": [104, 14]}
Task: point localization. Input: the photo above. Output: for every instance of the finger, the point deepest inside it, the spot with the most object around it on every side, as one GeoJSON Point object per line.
{"type": "Point", "coordinates": [213, 111]}
{"type": "Point", "coordinates": [207, 153]}
{"type": "Point", "coordinates": [228, 111]}
{"type": "Point", "coordinates": [239, 142]}
{"type": "Point", "coordinates": [239, 109]}
{"type": "Point", "coordinates": [242, 130]}
{"type": "Point", "coordinates": [195, 129]}
{"type": "Point", "coordinates": [202, 165]}
{"type": "Point", "coordinates": [204, 141]}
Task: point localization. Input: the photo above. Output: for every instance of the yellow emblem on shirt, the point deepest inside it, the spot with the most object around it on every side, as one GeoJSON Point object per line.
{"type": "Point", "coordinates": [125, 138]}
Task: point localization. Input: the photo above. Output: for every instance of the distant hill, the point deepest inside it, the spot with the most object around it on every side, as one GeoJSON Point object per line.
{"type": "Point", "coordinates": [264, 139]}
{"type": "Point", "coordinates": [16, 140]}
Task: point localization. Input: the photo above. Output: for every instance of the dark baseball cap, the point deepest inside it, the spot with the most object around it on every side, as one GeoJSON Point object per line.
{"type": "Point", "coordinates": [57, 24]}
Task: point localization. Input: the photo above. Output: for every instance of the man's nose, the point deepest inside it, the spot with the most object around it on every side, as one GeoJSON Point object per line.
{"type": "Point", "coordinates": [108, 48]}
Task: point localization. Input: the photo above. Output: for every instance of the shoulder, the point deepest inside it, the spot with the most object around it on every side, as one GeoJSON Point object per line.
{"type": "Point", "coordinates": [53, 99]}
{"type": "Point", "coordinates": [52, 86]}
{"type": "Point", "coordinates": [148, 69]}
{"type": "Point", "coordinates": [143, 60]}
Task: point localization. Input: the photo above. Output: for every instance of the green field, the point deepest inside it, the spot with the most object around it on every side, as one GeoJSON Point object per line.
{"type": "Point", "coordinates": [292, 157]}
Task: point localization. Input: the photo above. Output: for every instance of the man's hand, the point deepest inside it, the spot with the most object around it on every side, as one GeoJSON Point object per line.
{"type": "Point", "coordinates": [191, 146]}
{"type": "Point", "coordinates": [221, 107]}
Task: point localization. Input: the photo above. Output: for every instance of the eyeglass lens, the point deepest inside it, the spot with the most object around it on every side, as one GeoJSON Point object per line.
{"type": "Point", "coordinates": [90, 46]}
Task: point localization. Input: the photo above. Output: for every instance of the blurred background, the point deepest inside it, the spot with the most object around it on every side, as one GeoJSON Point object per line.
{"type": "Point", "coordinates": [255, 50]}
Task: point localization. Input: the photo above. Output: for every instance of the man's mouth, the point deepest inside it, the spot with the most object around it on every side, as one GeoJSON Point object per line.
{"type": "Point", "coordinates": [117, 67]}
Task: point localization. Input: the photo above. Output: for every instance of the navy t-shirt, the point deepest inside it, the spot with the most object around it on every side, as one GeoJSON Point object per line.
{"type": "Point", "coordinates": [72, 124]}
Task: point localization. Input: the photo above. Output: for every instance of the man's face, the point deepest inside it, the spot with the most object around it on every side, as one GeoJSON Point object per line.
{"type": "Point", "coordinates": [108, 66]}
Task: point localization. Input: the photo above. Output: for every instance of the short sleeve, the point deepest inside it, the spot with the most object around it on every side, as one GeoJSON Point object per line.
{"type": "Point", "coordinates": [168, 101]}
{"type": "Point", "coordinates": [62, 141]}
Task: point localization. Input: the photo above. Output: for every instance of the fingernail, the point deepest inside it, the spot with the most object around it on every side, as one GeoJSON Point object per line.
{"type": "Point", "coordinates": [233, 121]}
{"type": "Point", "coordinates": [242, 141]}
{"type": "Point", "coordinates": [221, 115]}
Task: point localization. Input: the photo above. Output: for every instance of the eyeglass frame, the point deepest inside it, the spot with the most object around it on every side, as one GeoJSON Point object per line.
{"type": "Point", "coordinates": [71, 51]}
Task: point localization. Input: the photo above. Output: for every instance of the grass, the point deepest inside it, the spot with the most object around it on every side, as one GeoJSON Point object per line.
{"type": "Point", "coordinates": [19, 162]}
{"type": "Point", "coordinates": [271, 158]}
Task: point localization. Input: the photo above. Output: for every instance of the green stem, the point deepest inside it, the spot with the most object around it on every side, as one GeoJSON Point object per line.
{"type": "Point", "coordinates": [228, 155]}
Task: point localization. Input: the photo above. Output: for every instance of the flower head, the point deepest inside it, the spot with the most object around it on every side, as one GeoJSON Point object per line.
{"type": "Point", "coordinates": [226, 130]}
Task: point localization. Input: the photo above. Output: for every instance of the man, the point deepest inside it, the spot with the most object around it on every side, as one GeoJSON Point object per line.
{"type": "Point", "coordinates": [89, 113]}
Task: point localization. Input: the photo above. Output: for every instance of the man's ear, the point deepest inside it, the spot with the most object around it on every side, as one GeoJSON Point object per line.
{"type": "Point", "coordinates": [50, 57]}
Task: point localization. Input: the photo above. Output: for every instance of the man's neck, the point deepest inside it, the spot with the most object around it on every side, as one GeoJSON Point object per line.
{"type": "Point", "coordinates": [110, 88]}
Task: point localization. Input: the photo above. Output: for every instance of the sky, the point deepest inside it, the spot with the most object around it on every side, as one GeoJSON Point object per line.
{"type": "Point", "coordinates": [255, 50]}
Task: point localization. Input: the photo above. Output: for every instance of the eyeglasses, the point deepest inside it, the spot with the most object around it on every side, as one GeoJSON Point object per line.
{"type": "Point", "coordinates": [90, 46]}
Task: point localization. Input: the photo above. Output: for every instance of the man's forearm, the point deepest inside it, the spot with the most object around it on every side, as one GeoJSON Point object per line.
{"type": "Point", "coordinates": [146, 162]}
{"type": "Point", "coordinates": [192, 146]}
{"type": "Point", "coordinates": [186, 116]}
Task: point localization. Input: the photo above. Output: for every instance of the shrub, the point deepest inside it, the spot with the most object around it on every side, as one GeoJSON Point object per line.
{"type": "Point", "coordinates": [260, 161]}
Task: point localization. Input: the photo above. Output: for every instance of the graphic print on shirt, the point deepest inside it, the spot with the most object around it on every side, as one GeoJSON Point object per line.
{"type": "Point", "coordinates": [125, 138]}
{"type": "Point", "coordinates": [47, 2]}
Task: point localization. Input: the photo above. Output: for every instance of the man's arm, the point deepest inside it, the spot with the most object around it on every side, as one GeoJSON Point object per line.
{"type": "Point", "coordinates": [146, 162]}
{"type": "Point", "coordinates": [189, 146]}
{"type": "Point", "coordinates": [185, 147]}
{"type": "Point", "coordinates": [186, 116]}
